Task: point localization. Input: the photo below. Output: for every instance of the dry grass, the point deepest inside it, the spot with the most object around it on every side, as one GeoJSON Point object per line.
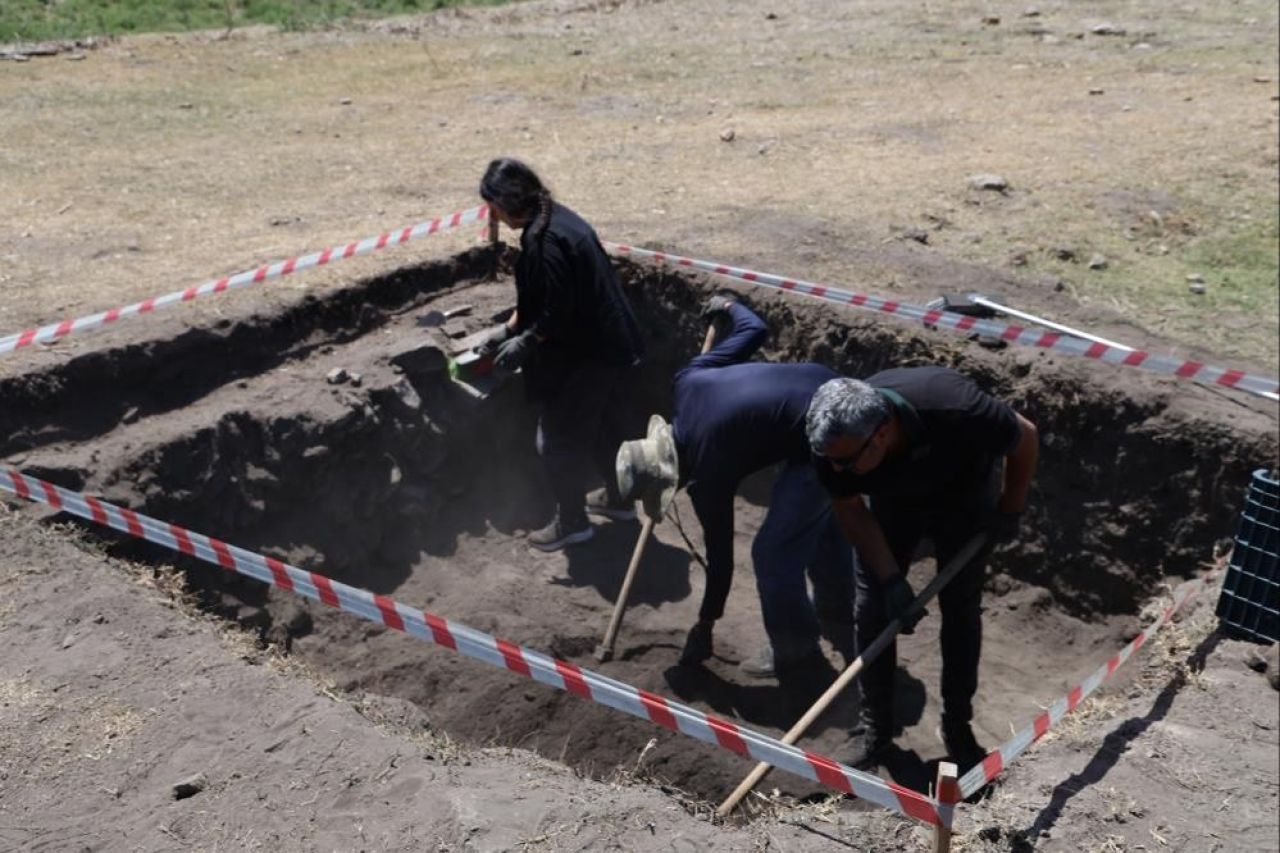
{"type": "Point", "coordinates": [160, 161]}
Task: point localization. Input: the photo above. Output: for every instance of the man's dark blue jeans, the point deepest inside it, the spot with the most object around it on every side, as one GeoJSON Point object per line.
{"type": "Point", "coordinates": [800, 534]}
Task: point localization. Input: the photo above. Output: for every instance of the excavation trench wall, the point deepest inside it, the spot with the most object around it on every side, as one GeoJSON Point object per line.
{"type": "Point", "coordinates": [394, 479]}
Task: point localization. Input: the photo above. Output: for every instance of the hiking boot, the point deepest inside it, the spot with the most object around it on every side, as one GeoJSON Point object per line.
{"type": "Point", "coordinates": [599, 503]}
{"type": "Point", "coordinates": [764, 664]}
{"type": "Point", "coordinates": [962, 747]}
{"type": "Point", "coordinates": [868, 746]}
{"type": "Point", "coordinates": [759, 665]}
{"type": "Point", "coordinates": [698, 646]}
{"type": "Point", "coordinates": [556, 535]}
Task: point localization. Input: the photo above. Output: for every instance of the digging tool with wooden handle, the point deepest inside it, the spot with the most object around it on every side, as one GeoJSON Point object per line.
{"type": "Point", "coordinates": [604, 651]}
{"type": "Point", "coordinates": [958, 562]}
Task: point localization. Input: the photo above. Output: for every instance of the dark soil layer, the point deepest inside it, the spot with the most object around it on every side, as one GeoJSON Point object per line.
{"type": "Point", "coordinates": [400, 482]}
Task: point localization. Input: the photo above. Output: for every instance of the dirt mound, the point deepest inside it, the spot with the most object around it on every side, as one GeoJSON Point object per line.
{"type": "Point", "coordinates": [330, 435]}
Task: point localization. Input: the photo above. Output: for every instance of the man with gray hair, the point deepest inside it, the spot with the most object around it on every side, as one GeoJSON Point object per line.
{"type": "Point", "coordinates": [915, 453]}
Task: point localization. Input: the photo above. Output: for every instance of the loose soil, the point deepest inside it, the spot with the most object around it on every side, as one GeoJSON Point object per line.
{"type": "Point", "coordinates": [398, 481]}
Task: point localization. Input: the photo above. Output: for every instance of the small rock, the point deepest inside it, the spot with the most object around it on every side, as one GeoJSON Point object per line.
{"type": "Point", "coordinates": [994, 183]}
{"type": "Point", "coordinates": [130, 415]}
{"type": "Point", "coordinates": [1031, 13]}
{"type": "Point", "coordinates": [344, 101]}
{"type": "Point", "coordinates": [771, 16]}
{"type": "Point", "coordinates": [762, 150]}
{"type": "Point", "coordinates": [190, 786]}
{"type": "Point", "coordinates": [357, 379]}
{"type": "Point", "coordinates": [727, 135]}
{"type": "Point", "coordinates": [337, 376]}
{"type": "Point", "coordinates": [1096, 91]}
{"type": "Point", "coordinates": [1108, 30]}
{"type": "Point", "coordinates": [1064, 252]}
{"type": "Point", "coordinates": [991, 20]}
{"type": "Point", "coordinates": [1195, 277]}
{"type": "Point", "coordinates": [1018, 257]}
{"type": "Point", "coordinates": [1098, 262]}
{"type": "Point", "coordinates": [185, 106]}
{"type": "Point", "coordinates": [920, 235]}
{"type": "Point", "coordinates": [75, 57]}
{"type": "Point", "coordinates": [1255, 660]}
{"type": "Point", "coordinates": [1196, 287]}
{"type": "Point", "coordinates": [1261, 79]}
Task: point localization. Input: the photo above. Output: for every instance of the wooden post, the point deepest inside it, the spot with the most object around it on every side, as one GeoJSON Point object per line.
{"type": "Point", "coordinates": [947, 792]}
{"type": "Point", "coordinates": [887, 636]}
{"type": "Point", "coordinates": [604, 651]}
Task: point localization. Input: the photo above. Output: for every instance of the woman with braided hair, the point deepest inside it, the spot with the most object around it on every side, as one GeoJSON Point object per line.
{"type": "Point", "coordinates": [575, 336]}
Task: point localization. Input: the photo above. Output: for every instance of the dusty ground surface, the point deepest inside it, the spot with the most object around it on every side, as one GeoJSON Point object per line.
{"type": "Point", "coordinates": [224, 428]}
{"type": "Point", "coordinates": [158, 162]}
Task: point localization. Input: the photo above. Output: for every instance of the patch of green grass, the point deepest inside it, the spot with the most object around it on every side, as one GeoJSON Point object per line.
{"type": "Point", "coordinates": [1245, 260]}
{"type": "Point", "coordinates": [40, 20]}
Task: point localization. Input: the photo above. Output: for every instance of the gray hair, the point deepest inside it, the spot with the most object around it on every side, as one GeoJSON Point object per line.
{"type": "Point", "coordinates": [843, 407]}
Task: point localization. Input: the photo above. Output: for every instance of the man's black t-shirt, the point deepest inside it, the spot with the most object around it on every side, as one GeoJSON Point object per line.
{"type": "Point", "coordinates": [955, 432]}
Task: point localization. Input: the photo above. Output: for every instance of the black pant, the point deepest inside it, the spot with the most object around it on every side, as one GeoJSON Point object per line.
{"type": "Point", "coordinates": [950, 524]}
{"type": "Point", "coordinates": [579, 430]}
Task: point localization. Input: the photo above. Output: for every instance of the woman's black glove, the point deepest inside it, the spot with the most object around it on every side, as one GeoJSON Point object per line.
{"type": "Point", "coordinates": [515, 352]}
{"type": "Point", "coordinates": [496, 338]}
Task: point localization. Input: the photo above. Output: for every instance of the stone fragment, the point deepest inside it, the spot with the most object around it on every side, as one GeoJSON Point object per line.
{"type": "Point", "coordinates": [190, 786]}
{"type": "Point", "coordinates": [994, 183]}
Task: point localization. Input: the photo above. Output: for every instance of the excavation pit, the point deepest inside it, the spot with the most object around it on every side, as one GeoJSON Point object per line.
{"type": "Point", "coordinates": [329, 434]}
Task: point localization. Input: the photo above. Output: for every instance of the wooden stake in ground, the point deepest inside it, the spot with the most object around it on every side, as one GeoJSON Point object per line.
{"type": "Point", "coordinates": [958, 562]}
{"type": "Point", "coordinates": [947, 792]}
{"type": "Point", "coordinates": [604, 651]}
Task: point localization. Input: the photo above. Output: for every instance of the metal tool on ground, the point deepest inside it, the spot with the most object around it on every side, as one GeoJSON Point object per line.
{"type": "Point", "coordinates": [837, 687]}
{"type": "Point", "coordinates": [648, 471]}
{"type": "Point", "coordinates": [977, 305]}
{"type": "Point", "coordinates": [435, 317]}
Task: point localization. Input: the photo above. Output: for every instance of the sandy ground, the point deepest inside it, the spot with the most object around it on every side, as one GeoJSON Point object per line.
{"type": "Point", "coordinates": [229, 449]}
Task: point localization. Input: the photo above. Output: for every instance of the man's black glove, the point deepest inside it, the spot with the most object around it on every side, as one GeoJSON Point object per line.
{"type": "Point", "coordinates": [496, 338]}
{"type": "Point", "coordinates": [515, 352]}
{"type": "Point", "coordinates": [717, 305]}
{"type": "Point", "coordinates": [1003, 526]}
{"type": "Point", "coordinates": [898, 597]}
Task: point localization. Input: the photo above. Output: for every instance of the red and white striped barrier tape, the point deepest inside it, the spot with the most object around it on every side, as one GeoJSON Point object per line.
{"type": "Point", "coordinates": [54, 331]}
{"type": "Point", "coordinates": [488, 649]}
{"type": "Point", "coordinates": [1056, 341]}
{"type": "Point", "coordinates": [998, 759]}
